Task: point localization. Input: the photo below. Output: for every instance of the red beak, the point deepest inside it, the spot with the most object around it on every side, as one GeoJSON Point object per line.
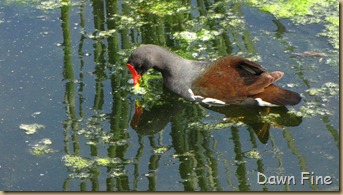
{"type": "Point", "coordinates": [135, 74]}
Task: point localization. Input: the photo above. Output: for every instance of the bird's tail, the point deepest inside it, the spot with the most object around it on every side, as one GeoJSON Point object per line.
{"type": "Point", "coordinates": [277, 96]}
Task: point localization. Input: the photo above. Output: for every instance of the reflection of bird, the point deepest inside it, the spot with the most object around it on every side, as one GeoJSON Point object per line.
{"type": "Point", "coordinates": [229, 80]}
{"type": "Point", "coordinates": [260, 119]}
{"type": "Point", "coordinates": [148, 121]}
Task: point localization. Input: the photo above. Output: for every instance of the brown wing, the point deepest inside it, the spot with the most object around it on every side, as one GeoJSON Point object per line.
{"type": "Point", "coordinates": [232, 79]}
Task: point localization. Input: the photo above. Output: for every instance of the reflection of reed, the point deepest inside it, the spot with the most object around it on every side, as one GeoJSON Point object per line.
{"type": "Point", "coordinates": [198, 167]}
{"type": "Point", "coordinates": [331, 129]}
{"type": "Point", "coordinates": [120, 108]}
{"type": "Point", "coordinates": [292, 146]}
{"type": "Point", "coordinates": [69, 98]}
{"type": "Point", "coordinates": [241, 168]}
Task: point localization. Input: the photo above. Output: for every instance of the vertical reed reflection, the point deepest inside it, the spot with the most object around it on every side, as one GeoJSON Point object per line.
{"type": "Point", "coordinates": [69, 97]}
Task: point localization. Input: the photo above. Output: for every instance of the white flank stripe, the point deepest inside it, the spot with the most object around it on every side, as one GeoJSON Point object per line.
{"type": "Point", "coordinates": [213, 101]}
{"type": "Point", "coordinates": [210, 101]}
{"type": "Point", "coordinates": [195, 97]}
{"type": "Point", "coordinates": [192, 94]}
{"type": "Point", "coordinates": [263, 103]}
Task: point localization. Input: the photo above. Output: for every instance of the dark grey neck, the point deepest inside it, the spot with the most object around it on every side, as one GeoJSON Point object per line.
{"type": "Point", "coordinates": [178, 73]}
{"type": "Point", "coordinates": [166, 61]}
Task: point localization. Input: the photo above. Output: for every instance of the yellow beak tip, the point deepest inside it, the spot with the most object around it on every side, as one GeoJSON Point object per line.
{"type": "Point", "coordinates": [136, 87]}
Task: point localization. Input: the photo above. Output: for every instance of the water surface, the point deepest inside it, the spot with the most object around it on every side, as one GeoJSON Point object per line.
{"type": "Point", "coordinates": [64, 68]}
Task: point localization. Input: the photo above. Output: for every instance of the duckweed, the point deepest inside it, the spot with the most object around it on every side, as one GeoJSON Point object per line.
{"type": "Point", "coordinates": [160, 150]}
{"type": "Point", "coordinates": [81, 175]}
{"type": "Point", "coordinates": [159, 7]}
{"type": "Point", "coordinates": [117, 173]}
{"type": "Point", "coordinates": [327, 89]}
{"type": "Point", "coordinates": [31, 128]}
{"type": "Point", "coordinates": [76, 162]}
{"type": "Point", "coordinates": [107, 161]}
{"type": "Point", "coordinates": [270, 118]}
{"type": "Point", "coordinates": [208, 126]}
{"type": "Point", "coordinates": [253, 154]}
{"type": "Point", "coordinates": [306, 12]}
{"type": "Point", "coordinates": [42, 148]}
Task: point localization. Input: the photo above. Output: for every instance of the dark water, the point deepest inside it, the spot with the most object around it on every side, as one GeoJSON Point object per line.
{"type": "Point", "coordinates": [64, 68]}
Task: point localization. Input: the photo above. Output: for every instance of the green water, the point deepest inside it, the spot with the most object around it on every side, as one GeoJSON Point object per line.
{"type": "Point", "coordinates": [63, 74]}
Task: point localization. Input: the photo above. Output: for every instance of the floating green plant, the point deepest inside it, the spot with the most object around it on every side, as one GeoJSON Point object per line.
{"type": "Point", "coordinates": [117, 172]}
{"type": "Point", "coordinates": [159, 7]}
{"type": "Point", "coordinates": [21, 2]}
{"type": "Point", "coordinates": [107, 161]}
{"type": "Point", "coordinates": [317, 107]}
{"type": "Point", "coordinates": [42, 147]}
{"type": "Point", "coordinates": [327, 89]}
{"type": "Point", "coordinates": [40, 4]}
{"type": "Point", "coordinates": [305, 12]}
{"type": "Point", "coordinates": [160, 150]}
{"type": "Point", "coordinates": [208, 126]}
{"type": "Point", "coordinates": [31, 128]}
{"type": "Point", "coordinates": [270, 118]}
{"type": "Point", "coordinates": [76, 162]}
{"type": "Point", "coordinates": [51, 4]}
{"type": "Point", "coordinates": [81, 175]}
{"type": "Point", "coordinates": [252, 154]}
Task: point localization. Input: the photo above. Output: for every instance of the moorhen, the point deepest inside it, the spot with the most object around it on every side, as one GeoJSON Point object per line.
{"type": "Point", "coordinates": [228, 80]}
